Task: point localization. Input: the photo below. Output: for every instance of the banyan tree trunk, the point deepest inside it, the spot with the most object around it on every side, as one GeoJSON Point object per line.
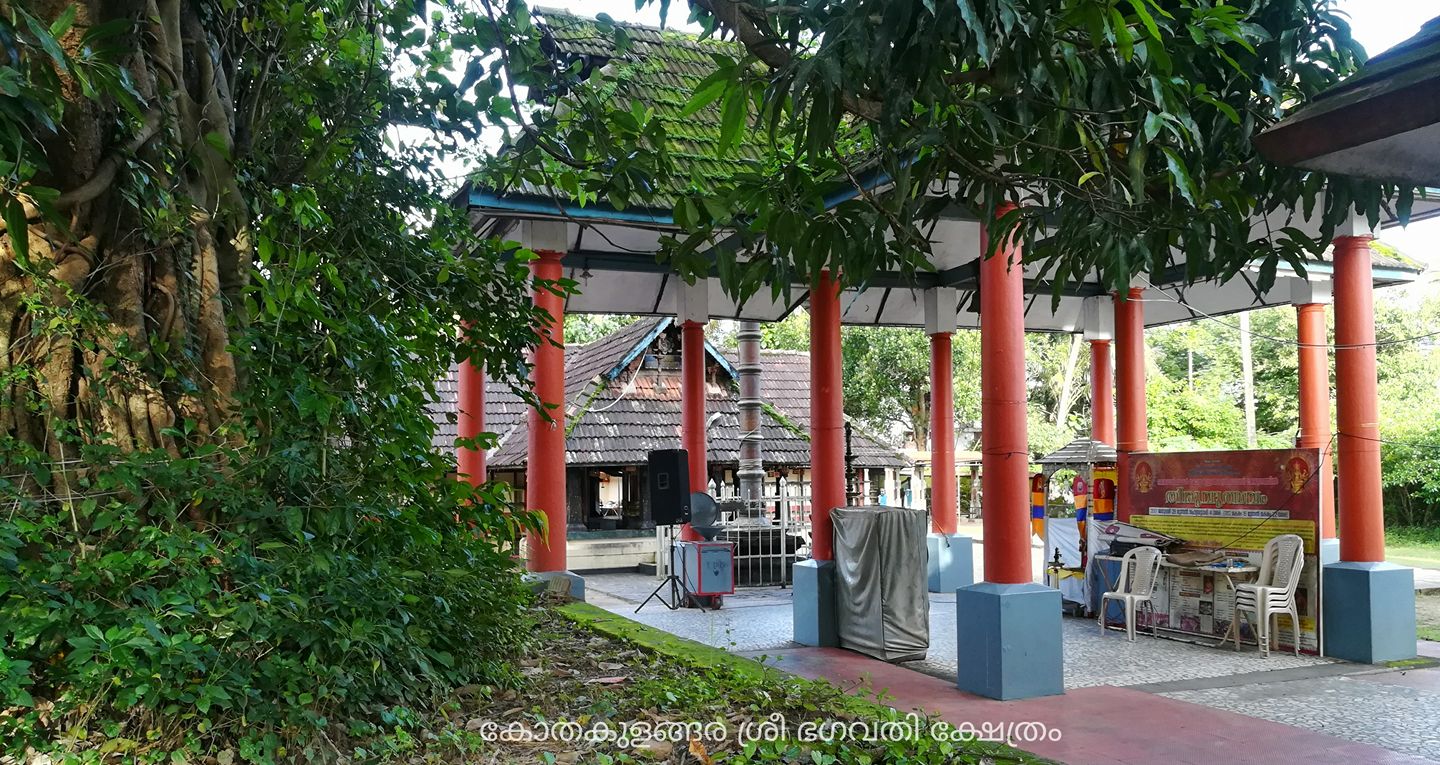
{"type": "Point", "coordinates": [122, 324]}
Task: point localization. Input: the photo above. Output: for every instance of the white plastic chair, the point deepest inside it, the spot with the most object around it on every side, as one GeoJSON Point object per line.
{"type": "Point", "coordinates": [1273, 591]}
{"type": "Point", "coordinates": [1139, 572]}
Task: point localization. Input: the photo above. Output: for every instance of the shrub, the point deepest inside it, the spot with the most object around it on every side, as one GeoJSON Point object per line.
{"type": "Point", "coordinates": [277, 633]}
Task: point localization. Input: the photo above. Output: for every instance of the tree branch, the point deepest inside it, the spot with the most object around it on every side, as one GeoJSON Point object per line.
{"type": "Point", "coordinates": [770, 51]}
{"type": "Point", "coordinates": [105, 171]}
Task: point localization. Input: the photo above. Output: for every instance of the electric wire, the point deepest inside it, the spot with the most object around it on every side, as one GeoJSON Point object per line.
{"type": "Point", "coordinates": [1279, 340]}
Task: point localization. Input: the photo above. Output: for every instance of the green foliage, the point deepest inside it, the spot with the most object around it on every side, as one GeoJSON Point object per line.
{"type": "Point", "coordinates": [790, 334]}
{"type": "Point", "coordinates": [1122, 129]}
{"type": "Point", "coordinates": [887, 379]}
{"type": "Point", "coordinates": [1410, 412]}
{"type": "Point", "coordinates": [1198, 400]}
{"type": "Point", "coordinates": [1183, 418]}
{"type": "Point", "coordinates": [149, 637]}
{"type": "Point", "coordinates": [294, 579]}
{"type": "Point", "coordinates": [32, 101]}
{"type": "Point", "coordinates": [584, 328]}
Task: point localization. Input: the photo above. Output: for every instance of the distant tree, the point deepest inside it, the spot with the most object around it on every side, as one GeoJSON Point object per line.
{"type": "Point", "coordinates": [1410, 411]}
{"type": "Point", "coordinates": [789, 334]}
{"type": "Point", "coordinates": [581, 328]}
{"type": "Point", "coordinates": [887, 379]}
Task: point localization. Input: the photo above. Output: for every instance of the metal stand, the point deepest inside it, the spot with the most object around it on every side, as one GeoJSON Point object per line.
{"type": "Point", "coordinates": [679, 593]}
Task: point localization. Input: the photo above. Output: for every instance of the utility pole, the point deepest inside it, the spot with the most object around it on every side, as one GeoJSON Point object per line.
{"type": "Point", "coordinates": [1247, 370]}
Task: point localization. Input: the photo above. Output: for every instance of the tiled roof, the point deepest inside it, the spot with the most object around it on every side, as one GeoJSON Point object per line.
{"type": "Point", "coordinates": [620, 410]}
{"type": "Point", "coordinates": [1081, 451]}
{"type": "Point", "coordinates": [660, 70]}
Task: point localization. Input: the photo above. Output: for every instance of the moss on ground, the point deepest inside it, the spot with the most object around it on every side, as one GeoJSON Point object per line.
{"type": "Point", "coordinates": [674, 701]}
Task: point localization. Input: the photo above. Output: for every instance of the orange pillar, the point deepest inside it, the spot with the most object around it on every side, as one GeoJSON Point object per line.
{"type": "Point", "coordinates": [545, 468]}
{"type": "Point", "coordinates": [1005, 447]}
{"type": "Point", "coordinates": [942, 435]}
{"type": "Point", "coordinates": [470, 421]}
{"type": "Point", "coordinates": [827, 419]}
{"type": "Point", "coordinates": [1362, 516]}
{"type": "Point", "coordinates": [1102, 393]}
{"type": "Point", "coordinates": [1132, 434]}
{"type": "Point", "coordinates": [1315, 404]}
{"type": "Point", "coordinates": [692, 410]}
{"type": "Point", "coordinates": [1130, 372]}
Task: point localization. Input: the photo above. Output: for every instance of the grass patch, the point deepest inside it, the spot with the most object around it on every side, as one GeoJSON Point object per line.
{"type": "Point", "coordinates": [1416, 546]}
{"type": "Point", "coordinates": [620, 692]}
{"type": "Point", "coordinates": [1427, 616]}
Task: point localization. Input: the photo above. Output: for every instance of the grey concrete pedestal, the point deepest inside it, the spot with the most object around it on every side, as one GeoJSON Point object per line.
{"type": "Point", "coordinates": [951, 563]}
{"type": "Point", "coordinates": [1009, 643]}
{"type": "Point", "coordinates": [1329, 551]}
{"type": "Point", "coordinates": [1369, 612]}
{"type": "Point", "coordinates": [813, 604]}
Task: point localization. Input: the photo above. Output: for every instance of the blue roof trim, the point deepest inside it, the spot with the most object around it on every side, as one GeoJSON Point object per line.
{"type": "Point", "coordinates": [638, 349]}
{"type": "Point", "coordinates": [1377, 272]}
{"type": "Point", "coordinates": [536, 206]}
{"type": "Point", "coordinates": [868, 181]}
{"type": "Point", "coordinates": [721, 360]}
{"type": "Point", "coordinates": [541, 206]}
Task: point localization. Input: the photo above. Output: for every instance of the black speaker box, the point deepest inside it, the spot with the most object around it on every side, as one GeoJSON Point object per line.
{"type": "Point", "coordinates": [669, 486]}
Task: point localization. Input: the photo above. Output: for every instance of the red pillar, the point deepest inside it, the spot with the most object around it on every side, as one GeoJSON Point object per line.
{"type": "Point", "coordinates": [1362, 517]}
{"type": "Point", "coordinates": [942, 435]}
{"type": "Point", "coordinates": [1315, 404]}
{"type": "Point", "coordinates": [827, 420]}
{"type": "Point", "coordinates": [1132, 433]}
{"type": "Point", "coordinates": [1005, 447]}
{"type": "Point", "coordinates": [1102, 393]}
{"type": "Point", "coordinates": [545, 468]}
{"type": "Point", "coordinates": [470, 421]}
{"type": "Point", "coordinates": [1130, 372]}
{"type": "Point", "coordinates": [692, 410]}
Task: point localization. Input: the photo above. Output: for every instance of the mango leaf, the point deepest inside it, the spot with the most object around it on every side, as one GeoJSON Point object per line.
{"type": "Point", "coordinates": [1181, 174]}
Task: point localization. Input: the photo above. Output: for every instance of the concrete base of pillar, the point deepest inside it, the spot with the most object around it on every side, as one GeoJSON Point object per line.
{"type": "Point", "coordinates": [1329, 551]}
{"type": "Point", "coordinates": [813, 604]}
{"type": "Point", "coordinates": [952, 562]}
{"type": "Point", "coordinates": [1009, 641]}
{"type": "Point", "coordinates": [1369, 612]}
{"type": "Point", "coordinates": [565, 583]}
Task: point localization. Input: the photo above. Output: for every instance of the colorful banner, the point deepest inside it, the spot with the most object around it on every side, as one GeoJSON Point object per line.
{"type": "Point", "coordinates": [1235, 502]}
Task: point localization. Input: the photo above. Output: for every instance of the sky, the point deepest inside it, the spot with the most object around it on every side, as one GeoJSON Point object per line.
{"type": "Point", "coordinates": [1377, 24]}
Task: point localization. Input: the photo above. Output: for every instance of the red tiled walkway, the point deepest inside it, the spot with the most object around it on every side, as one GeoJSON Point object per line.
{"type": "Point", "coordinates": [1097, 725]}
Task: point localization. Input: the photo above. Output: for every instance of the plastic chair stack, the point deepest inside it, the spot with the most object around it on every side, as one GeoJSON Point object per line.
{"type": "Point", "coordinates": [1273, 591]}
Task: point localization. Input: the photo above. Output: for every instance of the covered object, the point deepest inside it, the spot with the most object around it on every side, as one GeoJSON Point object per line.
{"type": "Point", "coordinates": [883, 608]}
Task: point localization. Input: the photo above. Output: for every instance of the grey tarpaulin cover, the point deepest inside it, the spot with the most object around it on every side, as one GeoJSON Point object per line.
{"type": "Point", "coordinates": [880, 555]}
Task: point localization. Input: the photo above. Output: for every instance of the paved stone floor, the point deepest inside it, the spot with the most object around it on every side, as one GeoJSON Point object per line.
{"type": "Point", "coordinates": [754, 621]}
{"type": "Point", "coordinates": [1427, 579]}
{"type": "Point", "coordinates": [1399, 711]}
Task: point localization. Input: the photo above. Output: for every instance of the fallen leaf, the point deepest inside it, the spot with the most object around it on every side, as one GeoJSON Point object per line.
{"type": "Point", "coordinates": [698, 751]}
{"type": "Point", "coordinates": [611, 665]}
{"type": "Point", "coordinates": [614, 680]}
{"type": "Point", "coordinates": [659, 750]}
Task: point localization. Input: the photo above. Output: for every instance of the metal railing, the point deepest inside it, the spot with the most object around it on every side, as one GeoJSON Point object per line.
{"type": "Point", "coordinates": [770, 534]}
